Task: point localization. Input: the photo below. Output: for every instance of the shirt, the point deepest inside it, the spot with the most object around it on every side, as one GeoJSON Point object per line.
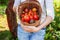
{"type": "Point", "coordinates": [46, 5]}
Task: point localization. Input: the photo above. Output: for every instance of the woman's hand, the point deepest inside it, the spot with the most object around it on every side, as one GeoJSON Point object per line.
{"type": "Point", "coordinates": [26, 28]}
{"type": "Point", "coordinates": [30, 28]}
{"type": "Point", "coordinates": [35, 29]}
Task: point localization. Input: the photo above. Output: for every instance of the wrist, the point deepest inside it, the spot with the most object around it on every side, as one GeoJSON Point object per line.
{"type": "Point", "coordinates": [40, 27]}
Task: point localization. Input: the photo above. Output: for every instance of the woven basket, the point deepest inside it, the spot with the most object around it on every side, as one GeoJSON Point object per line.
{"type": "Point", "coordinates": [30, 4]}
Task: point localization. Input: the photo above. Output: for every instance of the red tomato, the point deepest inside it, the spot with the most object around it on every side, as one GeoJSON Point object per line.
{"type": "Point", "coordinates": [26, 18]}
{"type": "Point", "coordinates": [26, 10]}
{"type": "Point", "coordinates": [23, 19]}
{"type": "Point", "coordinates": [22, 15]}
{"type": "Point", "coordinates": [31, 17]}
{"type": "Point", "coordinates": [30, 12]}
{"type": "Point", "coordinates": [25, 13]}
{"type": "Point", "coordinates": [36, 17]}
{"type": "Point", "coordinates": [35, 13]}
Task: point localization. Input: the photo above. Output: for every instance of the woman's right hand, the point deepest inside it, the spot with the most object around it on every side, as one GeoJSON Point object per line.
{"type": "Point", "coordinates": [26, 28]}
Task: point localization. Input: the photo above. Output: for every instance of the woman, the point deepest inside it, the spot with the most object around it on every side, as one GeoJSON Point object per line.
{"type": "Point", "coordinates": [36, 33]}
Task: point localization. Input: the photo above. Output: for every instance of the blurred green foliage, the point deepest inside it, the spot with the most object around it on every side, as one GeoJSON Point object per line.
{"type": "Point", "coordinates": [2, 9]}
{"type": "Point", "coordinates": [53, 30]}
{"type": "Point", "coordinates": [3, 2]}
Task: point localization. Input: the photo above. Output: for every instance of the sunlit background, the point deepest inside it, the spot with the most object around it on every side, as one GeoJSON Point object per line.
{"type": "Point", "coordinates": [52, 32]}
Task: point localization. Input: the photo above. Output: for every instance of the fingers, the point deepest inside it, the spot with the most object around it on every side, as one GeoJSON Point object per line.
{"type": "Point", "coordinates": [27, 29]}
{"type": "Point", "coordinates": [30, 28]}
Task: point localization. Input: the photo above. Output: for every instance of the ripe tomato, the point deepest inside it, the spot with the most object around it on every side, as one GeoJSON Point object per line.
{"type": "Point", "coordinates": [26, 13]}
{"type": "Point", "coordinates": [36, 17]}
{"type": "Point", "coordinates": [35, 13]}
{"type": "Point", "coordinates": [22, 15]}
{"type": "Point", "coordinates": [31, 17]}
{"type": "Point", "coordinates": [26, 18]}
{"type": "Point", "coordinates": [26, 10]}
{"type": "Point", "coordinates": [34, 9]}
{"type": "Point", "coordinates": [23, 20]}
{"type": "Point", "coordinates": [30, 12]}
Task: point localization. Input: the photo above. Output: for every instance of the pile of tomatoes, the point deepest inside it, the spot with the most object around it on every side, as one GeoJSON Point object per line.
{"type": "Point", "coordinates": [29, 15]}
